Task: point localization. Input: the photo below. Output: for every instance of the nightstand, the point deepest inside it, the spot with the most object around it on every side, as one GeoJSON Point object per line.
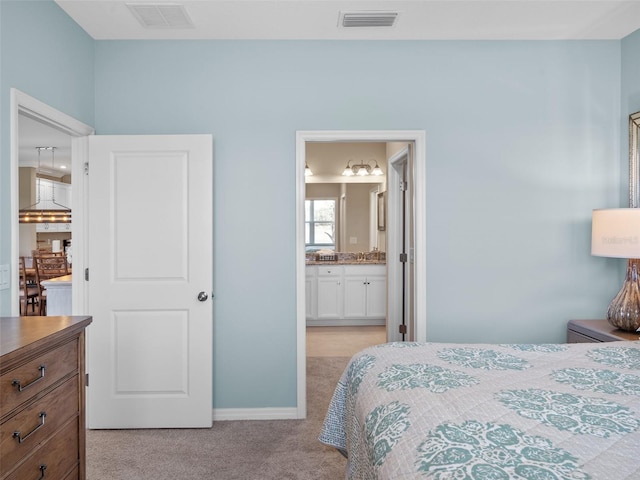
{"type": "Point", "coordinates": [595, 331]}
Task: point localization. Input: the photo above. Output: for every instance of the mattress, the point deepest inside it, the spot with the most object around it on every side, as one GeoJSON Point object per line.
{"type": "Point", "coordinates": [479, 411]}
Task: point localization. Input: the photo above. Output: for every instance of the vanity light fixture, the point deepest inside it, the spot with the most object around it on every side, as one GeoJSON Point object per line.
{"type": "Point", "coordinates": [362, 169]}
{"type": "Point", "coordinates": [36, 213]}
{"type": "Point", "coordinates": [615, 232]}
{"type": "Point", "coordinates": [307, 170]}
{"type": "Point", "coordinates": [348, 171]}
{"type": "Point", "coordinates": [377, 170]}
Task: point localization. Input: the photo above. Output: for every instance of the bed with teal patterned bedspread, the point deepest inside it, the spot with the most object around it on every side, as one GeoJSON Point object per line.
{"type": "Point", "coordinates": [474, 411]}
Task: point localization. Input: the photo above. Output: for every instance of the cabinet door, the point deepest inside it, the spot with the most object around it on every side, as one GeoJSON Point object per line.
{"type": "Point", "coordinates": [330, 294]}
{"type": "Point", "coordinates": [377, 296]}
{"type": "Point", "coordinates": [46, 227]}
{"type": "Point", "coordinates": [45, 190]}
{"type": "Point", "coordinates": [355, 296]}
{"type": "Point", "coordinates": [49, 191]}
{"type": "Point", "coordinates": [63, 195]}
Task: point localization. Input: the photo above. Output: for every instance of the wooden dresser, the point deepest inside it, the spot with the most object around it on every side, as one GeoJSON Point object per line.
{"type": "Point", "coordinates": [42, 398]}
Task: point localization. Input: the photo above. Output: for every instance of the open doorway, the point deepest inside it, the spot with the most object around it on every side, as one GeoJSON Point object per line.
{"type": "Point", "coordinates": [35, 112]}
{"type": "Point", "coordinates": [45, 186]}
{"type": "Point", "coordinates": [416, 140]}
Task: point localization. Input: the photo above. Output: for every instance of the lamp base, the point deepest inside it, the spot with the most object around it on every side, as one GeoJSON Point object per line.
{"type": "Point", "coordinates": [624, 310]}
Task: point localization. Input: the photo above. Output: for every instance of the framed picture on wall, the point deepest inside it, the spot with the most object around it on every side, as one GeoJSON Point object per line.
{"type": "Point", "coordinates": [634, 158]}
{"type": "Point", "coordinates": [381, 212]}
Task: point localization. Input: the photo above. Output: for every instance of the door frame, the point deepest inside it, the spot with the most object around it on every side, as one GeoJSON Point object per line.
{"type": "Point", "coordinates": [21, 103]}
{"type": "Point", "coordinates": [394, 240]}
{"type": "Point", "coordinates": [418, 137]}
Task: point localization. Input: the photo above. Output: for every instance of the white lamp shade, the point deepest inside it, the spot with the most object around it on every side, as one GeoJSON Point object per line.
{"type": "Point", "coordinates": [615, 232]}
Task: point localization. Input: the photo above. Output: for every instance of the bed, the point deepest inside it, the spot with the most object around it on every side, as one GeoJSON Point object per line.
{"type": "Point", "coordinates": [474, 411]}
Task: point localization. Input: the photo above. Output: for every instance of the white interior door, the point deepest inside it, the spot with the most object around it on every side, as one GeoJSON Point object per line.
{"type": "Point", "coordinates": [400, 248]}
{"type": "Point", "coordinates": [149, 349]}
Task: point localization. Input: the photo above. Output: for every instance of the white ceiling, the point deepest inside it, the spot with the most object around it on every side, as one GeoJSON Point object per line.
{"type": "Point", "coordinates": [417, 19]}
{"type": "Point", "coordinates": [34, 134]}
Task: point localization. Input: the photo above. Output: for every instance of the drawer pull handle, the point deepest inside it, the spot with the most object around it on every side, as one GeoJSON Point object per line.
{"type": "Point", "coordinates": [43, 467]}
{"type": "Point", "coordinates": [24, 387]}
{"type": "Point", "coordinates": [21, 439]}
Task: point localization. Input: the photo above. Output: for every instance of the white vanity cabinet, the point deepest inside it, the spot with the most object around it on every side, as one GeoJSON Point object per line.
{"type": "Point", "coordinates": [365, 291]}
{"type": "Point", "coordinates": [330, 287]}
{"type": "Point", "coordinates": [346, 294]}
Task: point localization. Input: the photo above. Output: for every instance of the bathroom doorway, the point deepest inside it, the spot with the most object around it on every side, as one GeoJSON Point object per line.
{"type": "Point", "coordinates": [416, 166]}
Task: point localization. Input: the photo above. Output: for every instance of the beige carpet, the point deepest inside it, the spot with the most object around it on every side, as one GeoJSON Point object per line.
{"type": "Point", "coordinates": [248, 450]}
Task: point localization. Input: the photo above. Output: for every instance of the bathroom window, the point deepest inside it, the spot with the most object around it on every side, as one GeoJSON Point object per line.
{"type": "Point", "coordinates": [320, 224]}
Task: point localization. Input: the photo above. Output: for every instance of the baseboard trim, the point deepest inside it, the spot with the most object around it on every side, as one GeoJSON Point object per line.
{"type": "Point", "coordinates": [345, 322]}
{"type": "Point", "coordinates": [221, 414]}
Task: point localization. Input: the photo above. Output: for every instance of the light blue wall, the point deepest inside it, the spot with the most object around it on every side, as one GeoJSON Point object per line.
{"type": "Point", "coordinates": [46, 55]}
{"type": "Point", "coordinates": [523, 141]}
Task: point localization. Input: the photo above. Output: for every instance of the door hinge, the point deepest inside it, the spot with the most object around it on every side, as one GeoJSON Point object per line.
{"type": "Point", "coordinates": [86, 381]}
{"type": "Point", "coordinates": [403, 186]}
{"type": "Point", "coordinates": [403, 257]}
{"type": "Point", "coordinates": [403, 329]}
{"type": "Point", "coordinates": [86, 168]}
{"type": "Point", "coordinates": [86, 274]}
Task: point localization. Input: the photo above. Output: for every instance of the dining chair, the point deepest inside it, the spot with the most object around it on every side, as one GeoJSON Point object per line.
{"type": "Point", "coordinates": [47, 267]}
{"type": "Point", "coordinates": [28, 291]}
{"type": "Point", "coordinates": [47, 253]}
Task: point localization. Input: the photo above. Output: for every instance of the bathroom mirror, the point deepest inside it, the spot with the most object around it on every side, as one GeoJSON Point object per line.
{"type": "Point", "coordinates": [634, 160]}
{"type": "Point", "coordinates": [354, 233]}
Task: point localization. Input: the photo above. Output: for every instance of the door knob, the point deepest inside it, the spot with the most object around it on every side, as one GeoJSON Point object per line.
{"type": "Point", "coordinates": [202, 296]}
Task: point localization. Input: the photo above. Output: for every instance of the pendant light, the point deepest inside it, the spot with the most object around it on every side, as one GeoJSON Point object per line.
{"type": "Point", "coordinates": [37, 213]}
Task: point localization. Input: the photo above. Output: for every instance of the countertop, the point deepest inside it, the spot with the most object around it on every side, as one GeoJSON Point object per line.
{"type": "Point", "coordinates": [347, 262]}
{"type": "Point", "coordinates": [65, 280]}
{"type": "Point", "coordinates": [346, 258]}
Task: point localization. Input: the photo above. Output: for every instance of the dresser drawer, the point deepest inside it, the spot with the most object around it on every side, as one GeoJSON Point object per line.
{"type": "Point", "coordinates": [74, 475]}
{"type": "Point", "coordinates": [36, 375]}
{"type": "Point", "coordinates": [576, 337]}
{"type": "Point", "coordinates": [59, 454]}
{"type": "Point", "coordinates": [58, 407]}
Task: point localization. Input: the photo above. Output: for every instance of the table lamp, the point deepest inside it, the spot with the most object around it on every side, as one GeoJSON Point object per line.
{"type": "Point", "coordinates": [615, 232]}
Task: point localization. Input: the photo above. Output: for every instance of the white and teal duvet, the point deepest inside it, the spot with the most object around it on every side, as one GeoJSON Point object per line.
{"type": "Point", "coordinates": [472, 411]}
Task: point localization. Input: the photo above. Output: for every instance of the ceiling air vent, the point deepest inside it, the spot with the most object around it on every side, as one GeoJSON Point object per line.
{"type": "Point", "coordinates": [368, 19]}
{"type": "Point", "coordinates": [162, 15]}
